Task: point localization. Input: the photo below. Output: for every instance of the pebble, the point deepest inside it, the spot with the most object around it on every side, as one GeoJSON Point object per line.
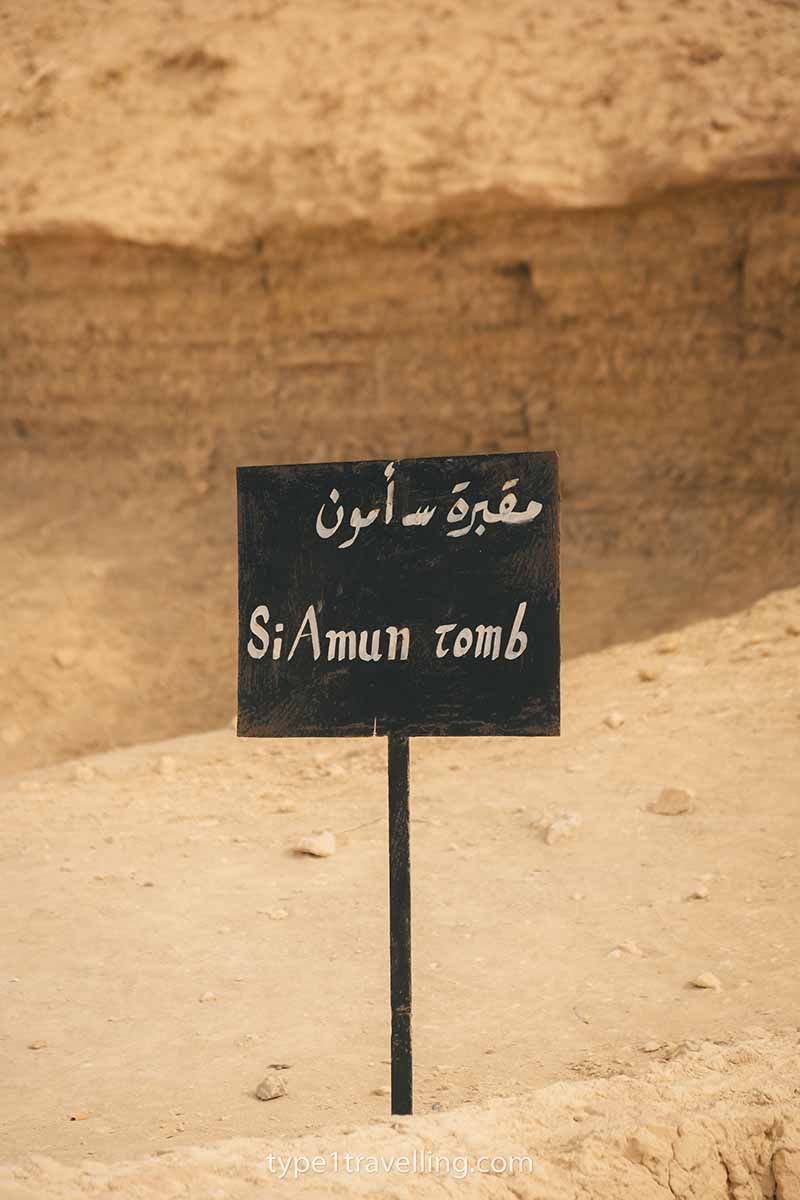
{"type": "Point", "coordinates": [707, 980]}
{"type": "Point", "coordinates": [286, 807]}
{"type": "Point", "coordinates": [614, 720]}
{"type": "Point", "coordinates": [66, 657]}
{"type": "Point", "coordinates": [271, 1088]}
{"type": "Point", "coordinates": [40, 1045]}
{"type": "Point", "coordinates": [648, 674]}
{"type": "Point", "coordinates": [319, 845]}
{"type": "Point", "coordinates": [793, 629]}
{"type": "Point", "coordinates": [206, 997]}
{"type": "Point", "coordinates": [651, 1047]}
{"type": "Point", "coordinates": [556, 829]}
{"type": "Point", "coordinates": [672, 802]}
{"type": "Point", "coordinates": [668, 645]}
{"type": "Point", "coordinates": [382, 1091]}
{"type": "Point", "coordinates": [701, 892]}
{"type": "Point", "coordinates": [277, 914]}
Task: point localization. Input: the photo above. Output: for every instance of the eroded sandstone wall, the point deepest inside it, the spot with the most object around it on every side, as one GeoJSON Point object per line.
{"type": "Point", "coordinates": [656, 347]}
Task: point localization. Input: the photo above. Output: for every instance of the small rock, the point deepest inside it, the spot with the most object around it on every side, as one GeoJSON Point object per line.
{"type": "Point", "coordinates": [793, 629]}
{"type": "Point", "coordinates": [40, 1045]}
{"type": "Point", "coordinates": [279, 1066]}
{"type": "Point", "coordinates": [66, 657]}
{"type": "Point", "coordinates": [577, 896]}
{"type": "Point", "coordinates": [286, 807]}
{"type": "Point", "coordinates": [556, 829]}
{"type": "Point", "coordinates": [277, 914]}
{"type": "Point", "coordinates": [381, 1091]}
{"type": "Point", "coordinates": [319, 845]}
{"type": "Point", "coordinates": [207, 997]}
{"type": "Point", "coordinates": [651, 1047]}
{"type": "Point", "coordinates": [707, 980]}
{"type": "Point", "coordinates": [701, 892]}
{"type": "Point", "coordinates": [648, 674]}
{"type": "Point", "coordinates": [673, 802]}
{"type": "Point", "coordinates": [271, 1088]}
{"type": "Point", "coordinates": [668, 645]}
{"type": "Point", "coordinates": [614, 720]}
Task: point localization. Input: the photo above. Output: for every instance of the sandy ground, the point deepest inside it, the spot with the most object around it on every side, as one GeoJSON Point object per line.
{"type": "Point", "coordinates": [166, 946]}
{"type": "Point", "coordinates": [175, 123]}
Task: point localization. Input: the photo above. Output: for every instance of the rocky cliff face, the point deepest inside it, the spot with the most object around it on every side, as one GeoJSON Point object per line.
{"type": "Point", "coordinates": [656, 347]}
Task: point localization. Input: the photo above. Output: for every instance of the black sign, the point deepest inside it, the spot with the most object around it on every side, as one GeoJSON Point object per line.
{"type": "Point", "coordinates": [412, 597]}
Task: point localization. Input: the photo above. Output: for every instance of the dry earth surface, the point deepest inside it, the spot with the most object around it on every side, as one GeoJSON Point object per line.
{"type": "Point", "coordinates": [163, 945]}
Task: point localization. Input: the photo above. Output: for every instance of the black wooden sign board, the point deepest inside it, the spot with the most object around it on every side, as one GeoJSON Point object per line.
{"type": "Point", "coordinates": [410, 598]}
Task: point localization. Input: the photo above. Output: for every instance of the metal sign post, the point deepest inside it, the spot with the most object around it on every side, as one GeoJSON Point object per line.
{"type": "Point", "coordinates": [405, 599]}
{"type": "Point", "coordinates": [400, 924]}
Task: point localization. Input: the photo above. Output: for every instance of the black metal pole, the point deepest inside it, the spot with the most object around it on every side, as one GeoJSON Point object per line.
{"type": "Point", "coordinates": [400, 924]}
